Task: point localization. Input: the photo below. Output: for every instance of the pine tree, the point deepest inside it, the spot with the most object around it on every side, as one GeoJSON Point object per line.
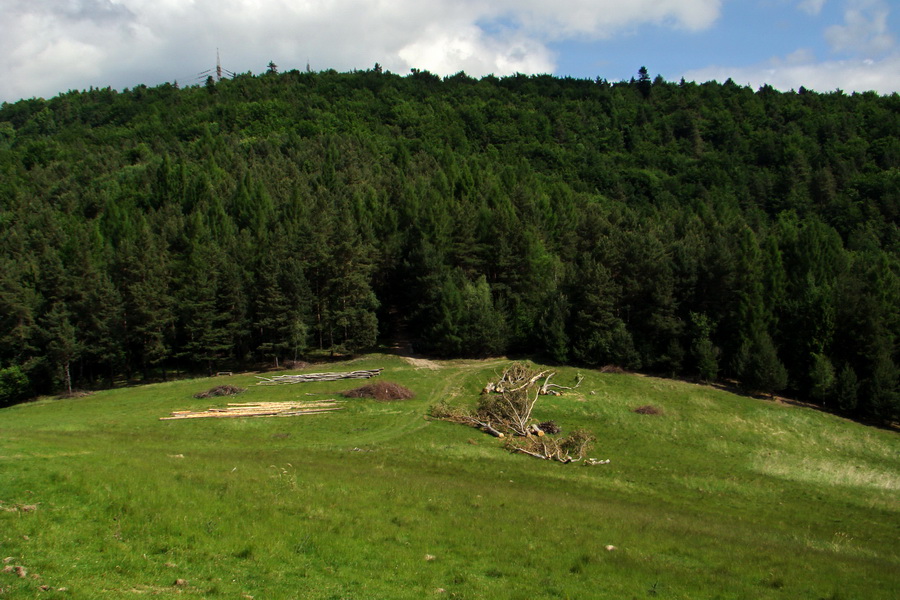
{"type": "Point", "coordinates": [551, 334]}
{"type": "Point", "coordinates": [846, 389]}
{"type": "Point", "coordinates": [347, 299]}
{"type": "Point", "coordinates": [703, 352]}
{"type": "Point", "coordinates": [644, 83]}
{"type": "Point", "coordinates": [149, 320]}
{"type": "Point", "coordinates": [482, 327]}
{"type": "Point", "coordinates": [203, 327]}
{"type": "Point", "coordinates": [62, 346]}
{"type": "Point", "coordinates": [759, 366]}
{"type": "Point", "coordinates": [822, 378]}
{"type": "Point", "coordinates": [99, 318]}
{"type": "Point", "coordinates": [18, 306]}
{"type": "Point", "coordinates": [598, 335]}
{"type": "Point", "coordinates": [14, 385]}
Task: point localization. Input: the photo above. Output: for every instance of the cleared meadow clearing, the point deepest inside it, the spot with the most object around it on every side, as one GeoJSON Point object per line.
{"type": "Point", "coordinates": [720, 496]}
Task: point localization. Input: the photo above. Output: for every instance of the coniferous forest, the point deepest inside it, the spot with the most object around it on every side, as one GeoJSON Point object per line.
{"type": "Point", "coordinates": [708, 231]}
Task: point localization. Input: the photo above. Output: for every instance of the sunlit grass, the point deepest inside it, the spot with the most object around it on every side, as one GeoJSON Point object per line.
{"type": "Point", "coordinates": [719, 496]}
{"type": "Point", "coordinates": [827, 472]}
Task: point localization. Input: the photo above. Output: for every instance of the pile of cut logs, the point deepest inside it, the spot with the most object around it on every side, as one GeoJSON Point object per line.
{"type": "Point", "coordinates": [259, 409]}
{"type": "Point", "coordinates": [307, 377]}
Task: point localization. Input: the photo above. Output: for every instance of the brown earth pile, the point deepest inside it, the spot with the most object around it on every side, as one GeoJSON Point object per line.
{"type": "Point", "coordinates": [221, 390]}
{"type": "Point", "coordinates": [381, 390]}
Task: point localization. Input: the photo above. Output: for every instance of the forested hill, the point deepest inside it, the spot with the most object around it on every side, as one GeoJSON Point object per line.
{"type": "Point", "coordinates": [702, 230]}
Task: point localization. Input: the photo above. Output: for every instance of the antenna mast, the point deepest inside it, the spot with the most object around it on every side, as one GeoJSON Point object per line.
{"type": "Point", "coordinates": [219, 71]}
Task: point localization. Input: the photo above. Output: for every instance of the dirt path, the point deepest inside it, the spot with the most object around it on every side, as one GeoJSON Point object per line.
{"type": "Point", "coordinates": [422, 363]}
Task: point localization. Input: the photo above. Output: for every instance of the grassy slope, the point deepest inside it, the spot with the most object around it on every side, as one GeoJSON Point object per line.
{"type": "Point", "coordinates": [720, 497]}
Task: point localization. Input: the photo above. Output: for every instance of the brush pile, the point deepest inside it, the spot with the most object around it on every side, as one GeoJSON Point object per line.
{"type": "Point", "coordinates": [221, 390]}
{"type": "Point", "coordinates": [258, 409]}
{"type": "Point", "coordinates": [308, 377]}
{"type": "Point", "coordinates": [382, 390]}
{"type": "Point", "coordinates": [571, 448]}
{"type": "Point", "coordinates": [504, 411]}
{"type": "Point", "coordinates": [549, 427]}
{"type": "Point", "coordinates": [519, 376]}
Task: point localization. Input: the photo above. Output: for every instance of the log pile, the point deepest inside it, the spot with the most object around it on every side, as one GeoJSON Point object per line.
{"type": "Point", "coordinates": [258, 409]}
{"type": "Point", "coordinates": [308, 377]}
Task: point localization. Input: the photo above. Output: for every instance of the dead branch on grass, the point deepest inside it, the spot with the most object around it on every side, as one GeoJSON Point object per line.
{"type": "Point", "coordinates": [572, 448]}
{"type": "Point", "coordinates": [554, 389]}
{"type": "Point", "coordinates": [506, 407]}
{"type": "Point", "coordinates": [518, 377]}
{"type": "Point", "coordinates": [445, 412]}
{"type": "Point", "coordinates": [506, 412]}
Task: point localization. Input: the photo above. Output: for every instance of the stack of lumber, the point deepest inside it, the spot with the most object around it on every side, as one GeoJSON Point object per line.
{"type": "Point", "coordinates": [307, 377]}
{"type": "Point", "coordinates": [259, 409]}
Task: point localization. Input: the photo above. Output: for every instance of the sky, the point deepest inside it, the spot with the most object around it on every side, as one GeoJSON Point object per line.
{"type": "Point", "coordinates": [48, 47]}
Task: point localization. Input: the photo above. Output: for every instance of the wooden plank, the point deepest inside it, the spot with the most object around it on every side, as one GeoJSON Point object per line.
{"type": "Point", "coordinates": [207, 415]}
{"type": "Point", "coordinates": [309, 377]}
{"type": "Point", "coordinates": [259, 409]}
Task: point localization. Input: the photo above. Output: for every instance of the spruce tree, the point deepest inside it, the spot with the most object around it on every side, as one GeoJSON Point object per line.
{"type": "Point", "coordinates": [149, 319]}
{"type": "Point", "coordinates": [62, 346]}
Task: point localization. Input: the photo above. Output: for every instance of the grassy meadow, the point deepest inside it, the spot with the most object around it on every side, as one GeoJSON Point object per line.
{"type": "Point", "coordinates": [720, 496]}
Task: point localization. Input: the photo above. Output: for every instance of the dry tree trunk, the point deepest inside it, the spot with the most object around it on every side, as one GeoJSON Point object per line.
{"type": "Point", "coordinates": [506, 407]}
{"type": "Point", "coordinates": [518, 377]}
{"type": "Point", "coordinates": [546, 386]}
{"type": "Point", "coordinates": [572, 448]}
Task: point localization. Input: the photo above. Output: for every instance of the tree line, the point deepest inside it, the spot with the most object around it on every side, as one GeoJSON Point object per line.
{"type": "Point", "coordinates": [704, 230]}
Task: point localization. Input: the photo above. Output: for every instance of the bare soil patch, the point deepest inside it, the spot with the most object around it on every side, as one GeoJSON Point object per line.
{"type": "Point", "coordinates": [422, 363]}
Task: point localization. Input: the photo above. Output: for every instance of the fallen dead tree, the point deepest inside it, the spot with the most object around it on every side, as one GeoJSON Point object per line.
{"type": "Point", "coordinates": [258, 409]}
{"type": "Point", "coordinates": [519, 376]}
{"type": "Point", "coordinates": [506, 412]}
{"type": "Point", "coordinates": [475, 419]}
{"type": "Point", "coordinates": [569, 449]}
{"type": "Point", "coordinates": [308, 377]}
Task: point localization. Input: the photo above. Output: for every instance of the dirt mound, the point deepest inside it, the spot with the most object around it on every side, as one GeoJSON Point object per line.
{"type": "Point", "coordinates": [221, 390]}
{"type": "Point", "coordinates": [295, 365]}
{"type": "Point", "coordinates": [549, 427]}
{"type": "Point", "coordinates": [381, 390]}
{"type": "Point", "coordinates": [648, 409]}
{"type": "Point", "coordinates": [75, 394]}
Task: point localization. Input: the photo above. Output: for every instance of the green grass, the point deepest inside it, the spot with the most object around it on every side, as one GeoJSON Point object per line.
{"type": "Point", "coordinates": [720, 496]}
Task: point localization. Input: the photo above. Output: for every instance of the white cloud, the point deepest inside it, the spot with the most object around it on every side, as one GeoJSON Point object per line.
{"type": "Point", "coordinates": [48, 46]}
{"type": "Point", "coordinates": [812, 7]}
{"type": "Point", "coordinates": [859, 75]}
{"type": "Point", "coordinates": [470, 50]}
{"type": "Point", "coordinates": [602, 18]}
{"type": "Point", "coordinates": [865, 29]}
{"type": "Point", "coordinates": [865, 56]}
{"type": "Point", "coordinates": [800, 57]}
